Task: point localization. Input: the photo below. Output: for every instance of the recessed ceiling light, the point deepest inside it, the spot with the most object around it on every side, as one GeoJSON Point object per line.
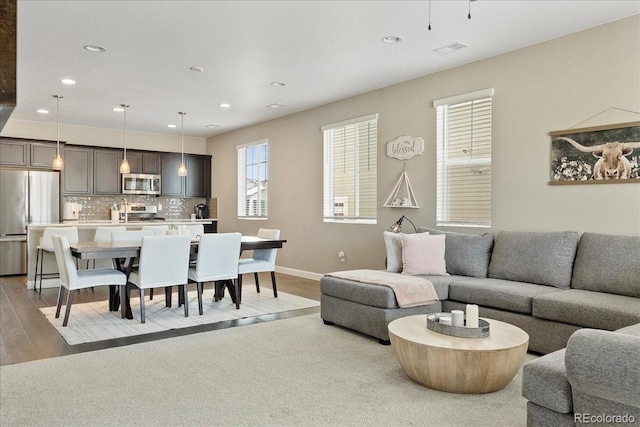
{"type": "Point", "coordinates": [225, 105]}
{"type": "Point", "coordinates": [276, 105]}
{"type": "Point", "coordinates": [451, 48]}
{"type": "Point", "coordinates": [212, 126]}
{"type": "Point", "coordinates": [196, 69]}
{"type": "Point", "coordinates": [277, 84]}
{"type": "Point", "coordinates": [391, 39]}
{"type": "Point", "coordinates": [68, 81]}
{"type": "Point", "coordinates": [118, 109]}
{"type": "Point", "coordinates": [171, 126]}
{"type": "Point", "coordinates": [94, 48]}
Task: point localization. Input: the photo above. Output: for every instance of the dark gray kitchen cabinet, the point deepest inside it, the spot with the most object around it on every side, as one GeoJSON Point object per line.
{"type": "Point", "coordinates": [77, 175]}
{"type": "Point", "coordinates": [141, 162]}
{"type": "Point", "coordinates": [198, 176]}
{"type": "Point", "coordinates": [106, 171]}
{"type": "Point", "coordinates": [14, 153]}
{"type": "Point", "coordinates": [28, 153]}
{"type": "Point", "coordinates": [172, 184]}
{"type": "Point", "coordinates": [42, 155]}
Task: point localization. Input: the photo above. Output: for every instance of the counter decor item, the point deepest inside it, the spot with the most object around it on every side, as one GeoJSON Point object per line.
{"type": "Point", "coordinates": [440, 323]}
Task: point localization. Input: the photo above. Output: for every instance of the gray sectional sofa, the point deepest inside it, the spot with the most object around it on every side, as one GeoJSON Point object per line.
{"type": "Point", "coordinates": [550, 284]}
{"type": "Point", "coordinates": [594, 381]}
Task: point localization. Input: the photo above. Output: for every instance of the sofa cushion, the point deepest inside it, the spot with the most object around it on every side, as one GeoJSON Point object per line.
{"type": "Point", "coordinates": [630, 330]}
{"type": "Point", "coordinates": [545, 383]}
{"type": "Point", "coordinates": [587, 309]}
{"type": "Point", "coordinates": [423, 254]}
{"type": "Point", "coordinates": [393, 245]}
{"type": "Point", "coordinates": [606, 263]}
{"type": "Point", "coordinates": [504, 294]}
{"type": "Point", "coordinates": [534, 257]}
{"type": "Point", "coordinates": [465, 254]}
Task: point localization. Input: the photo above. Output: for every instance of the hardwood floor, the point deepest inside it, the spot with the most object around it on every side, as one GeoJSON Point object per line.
{"type": "Point", "coordinates": [25, 334]}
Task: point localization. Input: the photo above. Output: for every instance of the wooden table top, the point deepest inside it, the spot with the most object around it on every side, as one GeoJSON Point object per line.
{"type": "Point", "coordinates": [502, 335]}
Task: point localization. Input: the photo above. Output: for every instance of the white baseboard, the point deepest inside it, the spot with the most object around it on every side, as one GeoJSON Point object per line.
{"type": "Point", "coordinates": [299, 273]}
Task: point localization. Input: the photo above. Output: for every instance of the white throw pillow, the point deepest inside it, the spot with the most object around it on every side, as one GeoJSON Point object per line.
{"type": "Point", "coordinates": [423, 254]}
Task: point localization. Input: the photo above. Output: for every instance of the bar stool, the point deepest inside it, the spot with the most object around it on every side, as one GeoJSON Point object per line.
{"type": "Point", "coordinates": [46, 246]}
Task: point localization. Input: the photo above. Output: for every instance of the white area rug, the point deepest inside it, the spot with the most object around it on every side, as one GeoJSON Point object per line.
{"type": "Point", "coordinates": [94, 322]}
{"type": "Point", "coordinates": [289, 372]}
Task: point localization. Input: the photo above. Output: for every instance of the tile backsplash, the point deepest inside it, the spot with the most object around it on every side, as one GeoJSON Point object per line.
{"type": "Point", "coordinates": [96, 208]}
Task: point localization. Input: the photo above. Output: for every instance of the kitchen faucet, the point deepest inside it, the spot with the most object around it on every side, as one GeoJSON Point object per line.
{"type": "Point", "coordinates": [126, 213]}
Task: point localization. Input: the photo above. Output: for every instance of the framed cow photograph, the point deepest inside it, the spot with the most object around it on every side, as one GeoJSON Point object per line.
{"type": "Point", "coordinates": [596, 155]}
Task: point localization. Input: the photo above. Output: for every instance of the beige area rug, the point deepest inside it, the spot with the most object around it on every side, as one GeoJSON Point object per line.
{"type": "Point", "coordinates": [289, 372]}
{"type": "Point", "coordinates": [90, 322]}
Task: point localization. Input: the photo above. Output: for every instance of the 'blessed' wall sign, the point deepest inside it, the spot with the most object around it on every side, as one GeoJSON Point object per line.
{"type": "Point", "coordinates": [405, 147]}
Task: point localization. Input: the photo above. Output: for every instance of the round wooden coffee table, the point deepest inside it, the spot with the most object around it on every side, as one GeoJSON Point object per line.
{"type": "Point", "coordinates": [458, 365]}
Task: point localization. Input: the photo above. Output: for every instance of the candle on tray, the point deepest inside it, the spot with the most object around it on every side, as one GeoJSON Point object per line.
{"type": "Point", "coordinates": [445, 320]}
{"type": "Point", "coordinates": [457, 317]}
{"type": "Point", "coordinates": [472, 316]}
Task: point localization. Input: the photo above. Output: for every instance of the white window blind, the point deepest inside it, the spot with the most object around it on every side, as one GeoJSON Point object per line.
{"type": "Point", "coordinates": [350, 171]}
{"type": "Point", "coordinates": [464, 160]}
{"type": "Point", "coordinates": [253, 160]}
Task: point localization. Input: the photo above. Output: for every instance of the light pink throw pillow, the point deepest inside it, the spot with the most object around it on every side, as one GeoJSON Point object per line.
{"type": "Point", "coordinates": [423, 254]}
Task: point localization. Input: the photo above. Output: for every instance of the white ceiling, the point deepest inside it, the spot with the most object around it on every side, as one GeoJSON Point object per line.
{"type": "Point", "coordinates": [322, 50]}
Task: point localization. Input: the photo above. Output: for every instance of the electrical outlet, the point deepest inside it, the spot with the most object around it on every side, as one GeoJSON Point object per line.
{"type": "Point", "coordinates": [159, 207]}
{"type": "Point", "coordinates": [342, 256]}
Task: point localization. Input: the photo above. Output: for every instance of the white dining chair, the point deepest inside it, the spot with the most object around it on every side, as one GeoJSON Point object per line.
{"type": "Point", "coordinates": [263, 260]}
{"type": "Point", "coordinates": [195, 230]}
{"type": "Point", "coordinates": [164, 262]}
{"type": "Point", "coordinates": [73, 279]}
{"type": "Point", "coordinates": [218, 255]}
{"type": "Point", "coordinates": [103, 234]}
{"type": "Point", "coordinates": [157, 230]}
{"type": "Point", "coordinates": [130, 235]}
{"type": "Point", "coordinates": [46, 246]}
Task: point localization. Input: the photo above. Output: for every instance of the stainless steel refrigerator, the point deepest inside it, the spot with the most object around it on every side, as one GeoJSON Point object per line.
{"type": "Point", "coordinates": [25, 197]}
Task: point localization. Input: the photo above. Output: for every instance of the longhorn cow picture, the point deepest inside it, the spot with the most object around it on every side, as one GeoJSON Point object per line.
{"type": "Point", "coordinates": [605, 154]}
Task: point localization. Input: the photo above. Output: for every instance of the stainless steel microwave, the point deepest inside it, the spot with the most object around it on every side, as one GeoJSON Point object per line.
{"type": "Point", "coordinates": [136, 183]}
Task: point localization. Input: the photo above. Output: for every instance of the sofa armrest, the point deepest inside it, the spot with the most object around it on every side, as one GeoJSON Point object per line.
{"type": "Point", "coordinates": [604, 365]}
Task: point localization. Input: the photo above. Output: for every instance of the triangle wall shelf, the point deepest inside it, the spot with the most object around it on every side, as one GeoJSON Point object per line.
{"type": "Point", "coordinates": [402, 195]}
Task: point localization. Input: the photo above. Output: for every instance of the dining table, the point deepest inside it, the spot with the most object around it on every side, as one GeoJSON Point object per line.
{"type": "Point", "coordinates": [124, 254]}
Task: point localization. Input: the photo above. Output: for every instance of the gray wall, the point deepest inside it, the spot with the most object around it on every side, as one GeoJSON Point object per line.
{"type": "Point", "coordinates": [546, 87]}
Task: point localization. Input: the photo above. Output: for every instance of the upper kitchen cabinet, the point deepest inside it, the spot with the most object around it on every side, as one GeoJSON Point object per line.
{"type": "Point", "coordinates": [14, 153]}
{"type": "Point", "coordinates": [198, 176]}
{"type": "Point", "coordinates": [106, 171]}
{"type": "Point", "coordinates": [141, 162]}
{"type": "Point", "coordinates": [197, 183]}
{"type": "Point", "coordinates": [26, 153]}
{"type": "Point", "coordinates": [77, 175]}
{"type": "Point", "coordinates": [172, 183]}
{"type": "Point", "coordinates": [42, 154]}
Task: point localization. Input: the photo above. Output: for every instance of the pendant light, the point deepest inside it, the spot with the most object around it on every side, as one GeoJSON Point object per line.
{"type": "Point", "coordinates": [182, 170]}
{"type": "Point", "coordinates": [58, 164]}
{"type": "Point", "coordinates": [124, 166]}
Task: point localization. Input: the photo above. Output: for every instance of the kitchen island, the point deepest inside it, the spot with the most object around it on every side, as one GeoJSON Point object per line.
{"type": "Point", "coordinates": [86, 231]}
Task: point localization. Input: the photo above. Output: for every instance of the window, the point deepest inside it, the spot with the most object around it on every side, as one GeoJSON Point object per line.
{"type": "Point", "coordinates": [464, 159]}
{"type": "Point", "coordinates": [350, 173]}
{"type": "Point", "coordinates": [252, 179]}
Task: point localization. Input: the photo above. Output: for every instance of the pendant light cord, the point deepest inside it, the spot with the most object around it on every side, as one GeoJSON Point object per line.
{"type": "Point", "coordinates": [182, 135]}
{"type": "Point", "coordinates": [124, 130]}
{"type": "Point", "coordinates": [58, 125]}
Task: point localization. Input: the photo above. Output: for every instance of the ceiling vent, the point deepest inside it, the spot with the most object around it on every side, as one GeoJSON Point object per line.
{"type": "Point", "coordinates": [450, 48]}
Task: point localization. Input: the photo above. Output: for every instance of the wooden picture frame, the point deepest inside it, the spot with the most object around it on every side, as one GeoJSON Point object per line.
{"type": "Point", "coordinates": [607, 154]}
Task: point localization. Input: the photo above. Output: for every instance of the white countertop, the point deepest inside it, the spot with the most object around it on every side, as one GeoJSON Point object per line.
{"type": "Point", "coordinates": [132, 224]}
